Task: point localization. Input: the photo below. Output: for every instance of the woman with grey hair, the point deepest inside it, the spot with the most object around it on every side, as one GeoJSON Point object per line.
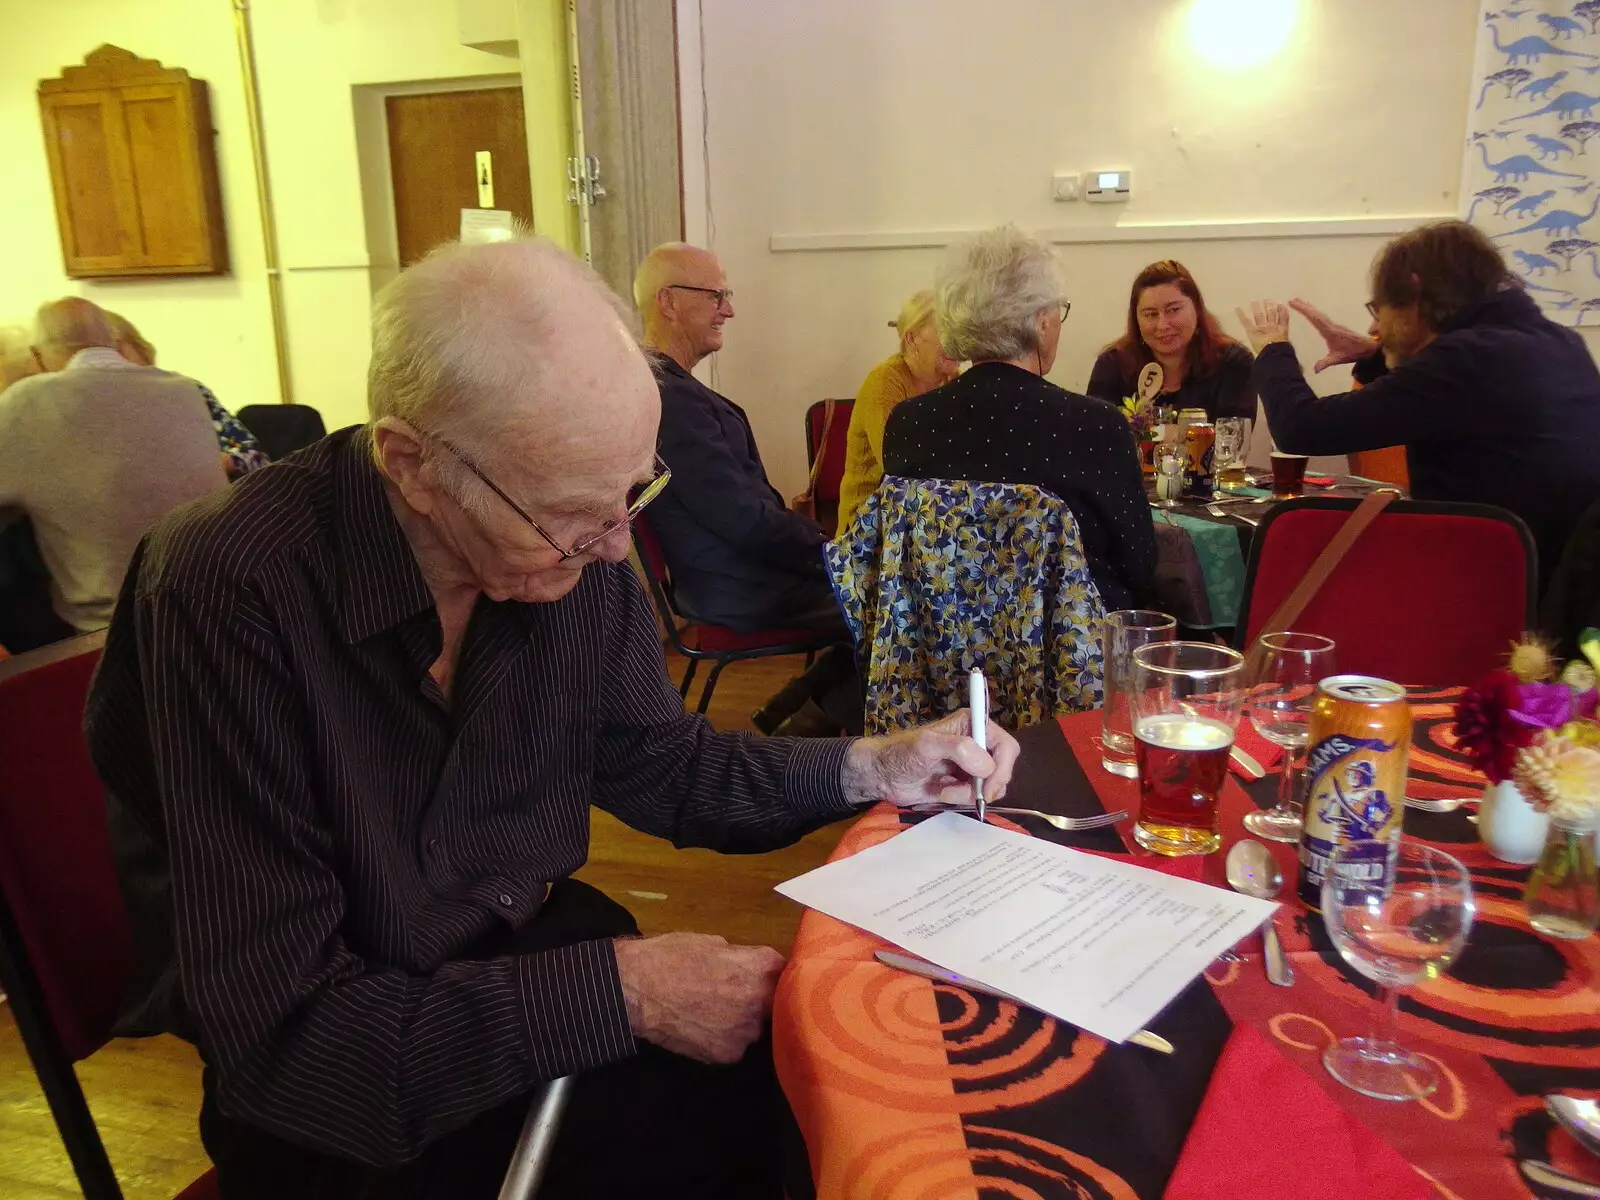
{"type": "Point", "coordinates": [998, 302]}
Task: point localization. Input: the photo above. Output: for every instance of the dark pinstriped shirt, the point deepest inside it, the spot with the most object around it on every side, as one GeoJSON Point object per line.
{"type": "Point", "coordinates": [310, 839]}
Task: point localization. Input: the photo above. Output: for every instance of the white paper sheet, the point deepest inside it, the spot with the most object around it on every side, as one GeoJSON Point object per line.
{"type": "Point", "coordinates": [1100, 943]}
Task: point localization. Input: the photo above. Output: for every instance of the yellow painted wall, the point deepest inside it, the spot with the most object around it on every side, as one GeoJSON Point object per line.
{"type": "Point", "coordinates": [310, 54]}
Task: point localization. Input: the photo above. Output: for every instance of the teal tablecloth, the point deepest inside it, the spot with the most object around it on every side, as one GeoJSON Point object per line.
{"type": "Point", "coordinates": [1216, 545]}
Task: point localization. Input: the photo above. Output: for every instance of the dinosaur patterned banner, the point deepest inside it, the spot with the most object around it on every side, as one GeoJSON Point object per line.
{"type": "Point", "coordinates": [1530, 180]}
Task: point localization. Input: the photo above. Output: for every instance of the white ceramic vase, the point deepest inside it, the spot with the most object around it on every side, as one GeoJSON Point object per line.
{"type": "Point", "coordinates": [1509, 827]}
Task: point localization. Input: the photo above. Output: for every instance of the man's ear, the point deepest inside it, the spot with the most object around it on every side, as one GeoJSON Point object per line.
{"type": "Point", "coordinates": [400, 456]}
{"type": "Point", "coordinates": [667, 304]}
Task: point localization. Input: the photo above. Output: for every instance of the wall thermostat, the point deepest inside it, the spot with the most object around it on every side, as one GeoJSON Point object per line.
{"type": "Point", "coordinates": [1107, 187]}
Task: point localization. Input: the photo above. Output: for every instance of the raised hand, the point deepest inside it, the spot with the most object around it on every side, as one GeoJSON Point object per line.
{"type": "Point", "coordinates": [695, 994]}
{"type": "Point", "coordinates": [1266, 322]}
{"type": "Point", "coordinates": [935, 764]}
{"type": "Point", "coordinates": [1345, 345]}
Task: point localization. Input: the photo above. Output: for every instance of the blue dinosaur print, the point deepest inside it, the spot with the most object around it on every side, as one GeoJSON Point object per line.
{"type": "Point", "coordinates": [1540, 88]}
{"type": "Point", "coordinates": [1566, 106]}
{"type": "Point", "coordinates": [1518, 167]}
{"type": "Point", "coordinates": [1535, 264]}
{"type": "Point", "coordinates": [1580, 191]}
{"type": "Point", "coordinates": [1549, 147]}
{"type": "Point", "coordinates": [1594, 70]}
{"type": "Point", "coordinates": [1587, 306]}
{"type": "Point", "coordinates": [1501, 135]}
{"type": "Point", "coordinates": [1528, 206]}
{"type": "Point", "coordinates": [1558, 223]}
{"type": "Point", "coordinates": [1561, 28]}
{"type": "Point", "coordinates": [1530, 49]}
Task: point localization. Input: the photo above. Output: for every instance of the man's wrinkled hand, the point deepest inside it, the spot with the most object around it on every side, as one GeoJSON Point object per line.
{"type": "Point", "coordinates": [1345, 345]}
{"type": "Point", "coordinates": [933, 765]}
{"type": "Point", "coordinates": [697, 995]}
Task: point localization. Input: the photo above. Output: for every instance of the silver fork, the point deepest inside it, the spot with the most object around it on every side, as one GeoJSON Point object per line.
{"type": "Point", "coordinates": [1439, 806]}
{"type": "Point", "coordinates": [1066, 824]}
{"type": "Point", "coordinates": [1218, 512]}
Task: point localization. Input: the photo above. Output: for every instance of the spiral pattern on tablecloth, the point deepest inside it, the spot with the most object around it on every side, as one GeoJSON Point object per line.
{"type": "Point", "coordinates": [924, 1165]}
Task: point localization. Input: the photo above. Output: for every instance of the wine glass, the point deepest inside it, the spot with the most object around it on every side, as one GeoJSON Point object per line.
{"type": "Point", "coordinates": [1398, 912]}
{"type": "Point", "coordinates": [1283, 682]}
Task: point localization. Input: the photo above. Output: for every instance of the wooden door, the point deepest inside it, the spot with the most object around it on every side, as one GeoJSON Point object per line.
{"type": "Point", "coordinates": [434, 140]}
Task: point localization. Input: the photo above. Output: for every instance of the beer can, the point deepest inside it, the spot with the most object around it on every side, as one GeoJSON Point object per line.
{"type": "Point", "coordinates": [1200, 441]}
{"type": "Point", "coordinates": [1358, 749]}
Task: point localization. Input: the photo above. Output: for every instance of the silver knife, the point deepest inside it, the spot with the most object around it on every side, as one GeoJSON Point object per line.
{"type": "Point", "coordinates": [919, 966]}
{"type": "Point", "coordinates": [1545, 1175]}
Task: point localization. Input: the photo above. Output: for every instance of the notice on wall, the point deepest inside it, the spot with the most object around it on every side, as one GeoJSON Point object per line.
{"type": "Point", "coordinates": [1100, 943]}
{"type": "Point", "coordinates": [486, 225]}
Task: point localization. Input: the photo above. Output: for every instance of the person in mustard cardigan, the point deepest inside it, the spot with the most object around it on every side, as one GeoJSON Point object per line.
{"type": "Point", "coordinates": [919, 366]}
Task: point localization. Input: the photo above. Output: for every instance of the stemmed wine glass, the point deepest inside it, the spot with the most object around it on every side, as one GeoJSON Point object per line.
{"type": "Point", "coordinates": [1398, 912]}
{"type": "Point", "coordinates": [1286, 668]}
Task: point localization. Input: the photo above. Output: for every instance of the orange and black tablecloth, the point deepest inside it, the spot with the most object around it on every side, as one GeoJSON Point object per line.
{"type": "Point", "coordinates": [904, 1088]}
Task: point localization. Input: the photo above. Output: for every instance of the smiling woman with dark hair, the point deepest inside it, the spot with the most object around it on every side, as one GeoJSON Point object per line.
{"type": "Point", "coordinates": [1168, 323]}
{"type": "Point", "coordinates": [1494, 402]}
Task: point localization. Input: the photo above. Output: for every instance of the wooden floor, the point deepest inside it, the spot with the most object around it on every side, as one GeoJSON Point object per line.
{"type": "Point", "coordinates": [145, 1094]}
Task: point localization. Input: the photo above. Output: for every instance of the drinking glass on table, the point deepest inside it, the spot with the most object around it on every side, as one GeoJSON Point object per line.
{"type": "Point", "coordinates": [1398, 912]}
{"type": "Point", "coordinates": [1288, 475]}
{"type": "Point", "coordinates": [1284, 671]}
{"type": "Point", "coordinates": [1187, 697]}
{"type": "Point", "coordinates": [1233, 439]}
{"type": "Point", "coordinates": [1121, 634]}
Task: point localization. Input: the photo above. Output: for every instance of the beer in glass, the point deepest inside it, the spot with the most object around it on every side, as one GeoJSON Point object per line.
{"type": "Point", "coordinates": [1288, 474]}
{"type": "Point", "coordinates": [1187, 697]}
{"type": "Point", "coordinates": [1233, 438]}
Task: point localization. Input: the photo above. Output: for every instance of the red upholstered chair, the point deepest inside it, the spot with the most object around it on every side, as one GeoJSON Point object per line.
{"type": "Point", "coordinates": [714, 643]}
{"type": "Point", "coordinates": [1431, 593]}
{"type": "Point", "coordinates": [66, 952]}
{"type": "Point", "coordinates": [66, 949]}
{"type": "Point", "coordinates": [831, 476]}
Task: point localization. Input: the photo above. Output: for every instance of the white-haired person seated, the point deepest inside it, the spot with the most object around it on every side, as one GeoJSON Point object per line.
{"type": "Point", "coordinates": [918, 366]}
{"type": "Point", "coordinates": [998, 303]}
{"type": "Point", "coordinates": [351, 718]}
{"type": "Point", "coordinates": [240, 451]}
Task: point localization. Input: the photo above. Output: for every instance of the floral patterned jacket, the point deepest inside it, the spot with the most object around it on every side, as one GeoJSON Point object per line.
{"type": "Point", "coordinates": [937, 576]}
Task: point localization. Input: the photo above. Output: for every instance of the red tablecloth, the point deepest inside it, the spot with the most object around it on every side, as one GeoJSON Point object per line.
{"type": "Point", "coordinates": [903, 1088]}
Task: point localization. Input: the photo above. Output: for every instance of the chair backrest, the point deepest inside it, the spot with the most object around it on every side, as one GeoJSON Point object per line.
{"type": "Point", "coordinates": [1431, 593]}
{"type": "Point", "coordinates": [283, 428]}
{"type": "Point", "coordinates": [937, 576]}
{"type": "Point", "coordinates": [825, 494]}
{"type": "Point", "coordinates": [58, 887]}
{"type": "Point", "coordinates": [654, 561]}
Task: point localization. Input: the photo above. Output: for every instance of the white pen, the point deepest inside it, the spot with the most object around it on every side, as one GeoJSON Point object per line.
{"type": "Point", "coordinates": [978, 703]}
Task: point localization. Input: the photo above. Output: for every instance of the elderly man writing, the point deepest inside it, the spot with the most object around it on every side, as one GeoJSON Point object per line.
{"type": "Point", "coordinates": [351, 718]}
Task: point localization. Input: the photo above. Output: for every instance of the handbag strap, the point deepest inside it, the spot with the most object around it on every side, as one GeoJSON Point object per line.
{"type": "Point", "coordinates": [828, 407]}
{"type": "Point", "coordinates": [1332, 554]}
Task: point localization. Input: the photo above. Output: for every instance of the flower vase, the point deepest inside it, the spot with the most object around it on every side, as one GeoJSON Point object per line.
{"type": "Point", "coordinates": [1509, 826]}
{"type": "Point", "coordinates": [1563, 896]}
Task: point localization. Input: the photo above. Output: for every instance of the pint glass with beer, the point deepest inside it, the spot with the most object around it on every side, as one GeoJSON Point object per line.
{"type": "Point", "coordinates": [1187, 697]}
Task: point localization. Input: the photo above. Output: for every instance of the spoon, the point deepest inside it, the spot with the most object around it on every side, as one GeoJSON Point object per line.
{"type": "Point", "coordinates": [1252, 871]}
{"type": "Point", "coordinates": [1580, 1117]}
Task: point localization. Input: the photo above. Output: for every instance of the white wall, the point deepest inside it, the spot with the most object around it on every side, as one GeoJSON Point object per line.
{"type": "Point", "coordinates": [310, 54]}
{"type": "Point", "coordinates": [894, 116]}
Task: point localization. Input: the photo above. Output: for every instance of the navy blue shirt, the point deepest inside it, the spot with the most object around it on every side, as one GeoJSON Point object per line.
{"type": "Point", "coordinates": [1000, 424]}
{"type": "Point", "coordinates": [738, 555]}
{"type": "Point", "coordinates": [1502, 408]}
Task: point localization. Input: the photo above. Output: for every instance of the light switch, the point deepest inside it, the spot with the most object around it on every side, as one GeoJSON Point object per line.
{"type": "Point", "coordinates": [1064, 187]}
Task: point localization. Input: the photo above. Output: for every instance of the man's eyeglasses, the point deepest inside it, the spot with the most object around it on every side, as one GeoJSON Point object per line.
{"type": "Point", "coordinates": [1372, 309]}
{"type": "Point", "coordinates": [638, 496]}
{"type": "Point", "coordinates": [720, 295]}
{"type": "Point", "coordinates": [1066, 307]}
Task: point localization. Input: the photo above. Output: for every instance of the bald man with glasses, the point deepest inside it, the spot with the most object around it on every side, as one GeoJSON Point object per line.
{"type": "Point", "coordinates": [739, 556]}
{"type": "Point", "coordinates": [351, 718]}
